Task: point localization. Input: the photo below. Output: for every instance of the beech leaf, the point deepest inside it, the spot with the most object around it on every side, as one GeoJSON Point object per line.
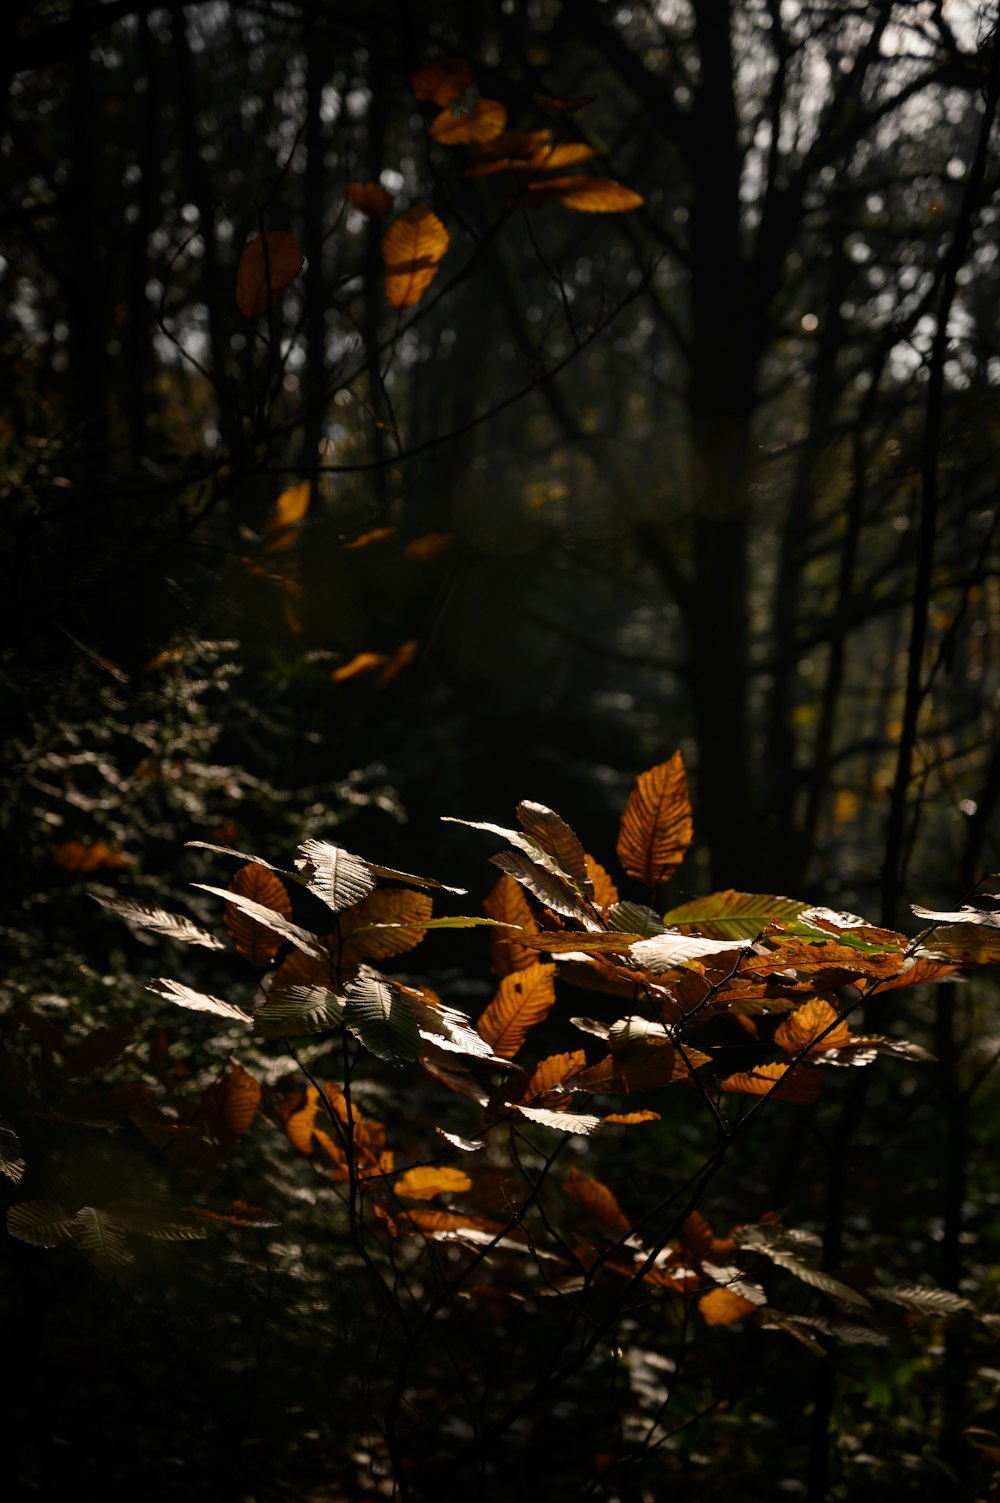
{"type": "Point", "coordinates": [186, 996]}
{"type": "Point", "coordinates": [376, 1013]}
{"type": "Point", "coordinates": [656, 827]}
{"type": "Point", "coordinates": [159, 921]}
{"type": "Point", "coordinates": [267, 266]}
{"type": "Point", "coordinates": [413, 248]}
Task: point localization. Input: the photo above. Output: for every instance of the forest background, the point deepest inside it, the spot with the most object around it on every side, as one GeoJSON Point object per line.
{"type": "Point", "coordinates": [666, 421]}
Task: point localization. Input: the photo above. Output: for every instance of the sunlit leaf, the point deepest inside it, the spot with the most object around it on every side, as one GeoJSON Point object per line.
{"type": "Point", "coordinates": [300, 1119]}
{"type": "Point", "coordinates": [634, 918]}
{"type": "Point", "coordinates": [522, 999]}
{"type": "Point", "coordinates": [239, 1214]}
{"type": "Point", "coordinates": [546, 886]}
{"type": "Point", "coordinates": [370, 199]}
{"type": "Point", "coordinates": [552, 1072]}
{"type": "Point", "coordinates": [442, 79]}
{"type": "Point", "coordinates": [485, 120]}
{"type": "Point", "coordinates": [43, 1223]}
{"type": "Point", "coordinates": [185, 996]}
{"type": "Point", "coordinates": [412, 250]}
{"type": "Point", "coordinates": [431, 1223]}
{"type": "Point", "coordinates": [578, 942]}
{"type": "Point", "coordinates": [963, 944]}
{"type": "Point", "coordinates": [804, 1027]}
{"type": "Point", "coordinates": [599, 1202]}
{"type": "Point", "coordinates": [637, 1064]}
{"type": "Point", "coordinates": [557, 840]}
{"type": "Point", "coordinates": [724, 1307]}
{"type": "Point", "coordinates": [148, 916]}
{"type": "Point", "coordinates": [926, 1301]}
{"type": "Point", "coordinates": [783, 1082]}
{"type": "Point", "coordinates": [12, 1162]}
{"type": "Point", "coordinates": [732, 915]}
{"type": "Point", "coordinates": [467, 1145]}
{"type": "Point", "coordinates": [656, 826]}
{"type": "Point", "coordinates": [818, 958]}
{"type": "Point", "coordinates": [446, 1028]}
{"type": "Point", "coordinates": [665, 951]}
{"type": "Point", "coordinates": [377, 1014]}
{"type": "Point", "coordinates": [572, 1122]}
{"type": "Point", "coordinates": [267, 266]}
{"type": "Point", "coordinates": [916, 971]}
{"type": "Point", "coordinates": [549, 158]}
{"type": "Point", "coordinates": [864, 1049]}
{"type": "Point", "coordinates": [298, 1010]}
{"type": "Point", "coordinates": [333, 874]}
{"type": "Point", "coordinates": [507, 904]}
{"type": "Point", "coordinates": [592, 195]}
{"type": "Point", "coordinates": [392, 875]}
{"type": "Point", "coordinates": [424, 1184]}
{"type": "Point", "coordinates": [257, 942]}
{"type": "Point", "coordinates": [632, 1119]}
{"type": "Point", "coordinates": [967, 914]}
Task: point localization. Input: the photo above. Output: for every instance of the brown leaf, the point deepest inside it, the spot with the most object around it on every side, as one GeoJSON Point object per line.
{"type": "Point", "coordinates": [801, 1087]}
{"type": "Point", "coordinates": [231, 1104]}
{"type": "Point", "coordinates": [362, 662]}
{"type": "Point", "coordinates": [483, 122]}
{"type": "Point", "coordinates": [916, 971]}
{"type": "Point", "coordinates": [442, 79]}
{"type": "Point", "coordinates": [267, 266]}
{"type": "Point", "coordinates": [515, 143]}
{"type": "Point", "coordinates": [724, 1307]}
{"type": "Point", "coordinates": [387, 905]}
{"type": "Point", "coordinates": [257, 944]}
{"type": "Point", "coordinates": [370, 199]}
{"type": "Point", "coordinates": [656, 826]}
{"type": "Point", "coordinates": [599, 1202]}
{"type": "Point", "coordinates": [88, 856]}
{"type": "Point", "coordinates": [507, 904]}
{"type": "Point", "coordinates": [605, 891]}
{"type": "Point", "coordinates": [546, 886]}
{"type": "Point", "coordinates": [239, 1214]}
{"type": "Point", "coordinates": [552, 1072]}
{"type": "Point", "coordinates": [641, 1064]}
{"type": "Point", "coordinates": [557, 840]}
{"type": "Point", "coordinates": [424, 1184]}
{"type": "Point", "coordinates": [821, 960]}
{"type": "Point", "coordinates": [802, 1029]}
{"type": "Point", "coordinates": [568, 106]}
{"type": "Point", "coordinates": [592, 195]}
{"type": "Point", "coordinates": [412, 250]}
{"type": "Point", "coordinates": [523, 999]}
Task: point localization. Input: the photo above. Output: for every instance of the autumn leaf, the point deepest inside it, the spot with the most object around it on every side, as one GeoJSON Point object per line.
{"type": "Point", "coordinates": [591, 195]}
{"type": "Point", "coordinates": [507, 904]}
{"type": "Point", "coordinates": [656, 828]}
{"type": "Point", "coordinates": [567, 106]}
{"type": "Point", "coordinates": [784, 1082]}
{"type": "Point", "coordinates": [300, 1121]}
{"type": "Point", "coordinates": [256, 943]}
{"type": "Point", "coordinates": [732, 915]}
{"type": "Point", "coordinates": [401, 658]}
{"type": "Point", "coordinates": [429, 546]}
{"type": "Point", "coordinates": [424, 1184]}
{"type": "Point", "coordinates": [267, 266]}
{"type": "Point", "coordinates": [485, 120]}
{"type": "Point", "coordinates": [370, 199]}
{"type": "Point", "coordinates": [364, 940]}
{"type": "Point", "coordinates": [88, 856]}
{"type": "Point", "coordinates": [523, 999]}
{"type": "Point", "coordinates": [231, 1104]}
{"type": "Point", "coordinates": [605, 891]}
{"type": "Point", "coordinates": [552, 1072]}
{"type": "Point", "coordinates": [412, 250]}
{"type": "Point", "coordinates": [362, 662]}
{"type": "Point", "coordinates": [557, 840]}
{"type": "Point", "coordinates": [549, 158]}
{"type": "Point", "coordinates": [366, 539]}
{"type": "Point", "coordinates": [632, 1119]}
{"type": "Point", "coordinates": [284, 526]}
{"type": "Point", "coordinates": [724, 1307]}
{"type": "Point", "coordinates": [442, 79]}
{"type": "Point", "coordinates": [599, 1202]}
{"type": "Point", "coordinates": [239, 1214]}
{"type": "Point", "coordinates": [430, 1223]}
{"type": "Point", "coordinates": [802, 1030]}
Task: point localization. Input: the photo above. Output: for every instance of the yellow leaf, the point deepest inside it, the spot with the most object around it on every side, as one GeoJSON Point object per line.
{"type": "Point", "coordinates": [482, 123]}
{"type": "Point", "coordinates": [404, 654]}
{"type": "Point", "coordinates": [724, 1307]}
{"type": "Point", "coordinates": [430, 545]}
{"type": "Point", "coordinates": [629, 1119]}
{"type": "Point", "coordinates": [362, 662]}
{"type": "Point", "coordinates": [424, 1184]}
{"type": "Point", "coordinates": [845, 805]}
{"type": "Point", "coordinates": [599, 1202]}
{"type": "Point", "coordinates": [547, 158]}
{"type": "Point", "coordinates": [387, 905]}
{"type": "Point", "coordinates": [284, 526]}
{"type": "Point", "coordinates": [554, 1071]}
{"type": "Point", "coordinates": [523, 999]}
{"type": "Point", "coordinates": [801, 1086]}
{"type": "Point", "coordinates": [370, 199]}
{"type": "Point", "coordinates": [365, 539]}
{"type": "Point", "coordinates": [656, 827]}
{"type": "Point", "coordinates": [803, 1028]}
{"type": "Point", "coordinates": [508, 905]}
{"type": "Point", "coordinates": [300, 1122]}
{"type": "Point", "coordinates": [267, 266]}
{"type": "Point", "coordinates": [412, 250]}
{"type": "Point", "coordinates": [256, 943]}
{"type": "Point", "coordinates": [605, 891]}
{"type": "Point", "coordinates": [429, 1222]}
{"type": "Point", "coordinates": [442, 79]}
{"type": "Point", "coordinates": [591, 195]}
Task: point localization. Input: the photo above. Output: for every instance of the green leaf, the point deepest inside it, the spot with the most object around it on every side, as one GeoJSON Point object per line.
{"type": "Point", "coordinates": [102, 1238]}
{"type": "Point", "coordinates": [634, 918]}
{"type": "Point", "coordinates": [378, 1015]}
{"type": "Point", "coordinates": [733, 915]}
{"type": "Point", "coordinates": [43, 1223]}
{"type": "Point", "coordinates": [333, 874]}
{"type": "Point", "coordinates": [159, 921]}
{"type": "Point", "coordinates": [297, 1010]}
{"type": "Point", "coordinates": [185, 996]}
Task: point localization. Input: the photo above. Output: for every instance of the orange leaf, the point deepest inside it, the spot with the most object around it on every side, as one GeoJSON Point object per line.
{"type": "Point", "coordinates": [656, 828]}
{"type": "Point", "coordinates": [801, 1086]}
{"type": "Point", "coordinates": [424, 1184]}
{"type": "Point", "coordinates": [515, 143]}
{"type": "Point", "coordinates": [88, 856]}
{"type": "Point", "coordinates": [523, 999]}
{"type": "Point", "coordinates": [915, 971]}
{"type": "Point", "coordinates": [370, 199]}
{"type": "Point", "coordinates": [605, 891]}
{"type": "Point", "coordinates": [257, 944]}
{"type": "Point", "coordinates": [284, 527]}
{"type": "Point", "coordinates": [267, 266]}
{"type": "Point", "coordinates": [482, 123]}
{"type": "Point", "coordinates": [591, 195]}
{"type": "Point", "coordinates": [547, 158]}
{"type": "Point", "coordinates": [442, 79]}
{"type": "Point", "coordinates": [389, 905]}
{"type": "Point", "coordinates": [365, 539]}
{"type": "Point", "coordinates": [552, 1072]}
{"type": "Point", "coordinates": [404, 654]}
{"type": "Point", "coordinates": [301, 1121]}
{"type": "Point", "coordinates": [724, 1307]}
{"type": "Point", "coordinates": [507, 904]}
{"type": "Point", "coordinates": [802, 1029]}
{"type": "Point", "coordinates": [628, 1119]}
{"type": "Point", "coordinates": [429, 1222]}
{"type": "Point", "coordinates": [818, 958]}
{"type": "Point", "coordinates": [412, 250]}
{"type": "Point", "coordinates": [599, 1202]}
{"type": "Point", "coordinates": [362, 662]}
{"type": "Point", "coordinates": [231, 1104]}
{"type": "Point", "coordinates": [430, 545]}
{"type": "Point", "coordinates": [556, 839]}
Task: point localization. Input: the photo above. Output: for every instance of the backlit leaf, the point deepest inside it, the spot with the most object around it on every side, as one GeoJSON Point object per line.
{"type": "Point", "coordinates": [806, 1024]}
{"type": "Point", "coordinates": [916, 970]}
{"type": "Point", "coordinates": [967, 914]}
{"type": "Point", "coordinates": [552, 1072]}
{"type": "Point", "coordinates": [362, 662]}
{"type": "Point", "coordinates": [239, 1095]}
{"type": "Point", "coordinates": [185, 996]}
{"type": "Point", "coordinates": [599, 1202]}
{"type": "Point", "coordinates": [412, 250]}
{"type": "Point", "coordinates": [732, 915]}
{"type": "Point", "coordinates": [656, 828]}
{"type": "Point", "coordinates": [377, 1014]}
{"type": "Point", "coordinates": [406, 911]}
{"type": "Point", "coordinates": [557, 840]}
{"type": "Point", "coordinates": [549, 158]}
{"type": "Point", "coordinates": [634, 918]}
{"type": "Point", "coordinates": [963, 944]}
{"type": "Point", "coordinates": [542, 884]}
{"type": "Point", "coordinates": [239, 1214]}
{"type": "Point", "coordinates": [284, 527]}
{"type": "Point", "coordinates": [591, 195]}
{"type": "Point", "coordinates": [43, 1223]}
{"type": "Point", "coordinates": [333, 874]}
{"type": "Point", "coordinates": [257, 942]}
{"type": "Point", "coordinates": [632, 1119]}
{"type": "Point", "coordinates": [431, 1223]}
{"type": "Point", "coordinates": [507, 904]}
{"type": "Point", "coordinates": [267, 266]}
{"type": "Point", "coordinates": [522, 999]}
{"type": "Point", "coordinates": [665, 951]}
{"type": "Point", "coordinates": [424, 1184]}
{"type": "Point", "coordinates": [485, 120]}
{"type": "Point", "coordinates": [819, 958]}
{"type": "Point", "coordinates": [366, 539]}
{"type": "Point", "coordinates": [442, 79]}
{"type": "Point", "coordinates": [605, 891]}
{"type": "Point", "coordinates": [784, 1082]}
{"type": "Point", "coordinates": [370, 199]}
{"type": "Point", "coordinates": [724, 1307]}
{"type": "Point", "coordinates": [148, 916]}
{"type": "Point", "coordinates": [579, 941]}
{"type": "Point", "coordinates": [300, 1122]}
